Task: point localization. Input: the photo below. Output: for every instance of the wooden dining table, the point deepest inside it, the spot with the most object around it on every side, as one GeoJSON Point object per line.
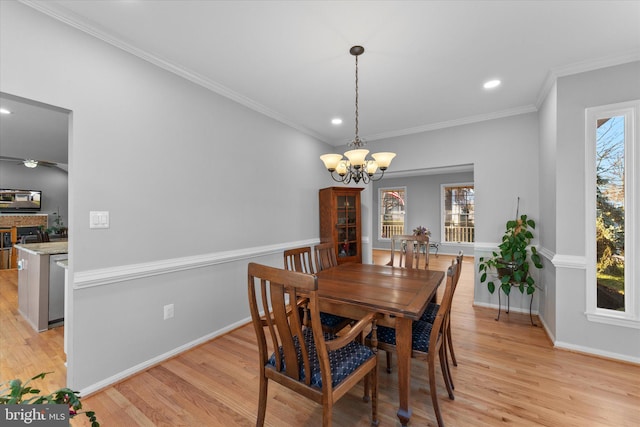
{"type": "Point", "coordinates": [399, 295]}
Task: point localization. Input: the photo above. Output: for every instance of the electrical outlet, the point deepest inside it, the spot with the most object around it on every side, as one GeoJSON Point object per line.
{"type": "Point", "coordinates": [168, 311]}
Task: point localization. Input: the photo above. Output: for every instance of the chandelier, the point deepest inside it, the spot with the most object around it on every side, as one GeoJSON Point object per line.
{"type": "Point", "coordinates": [356, 166]}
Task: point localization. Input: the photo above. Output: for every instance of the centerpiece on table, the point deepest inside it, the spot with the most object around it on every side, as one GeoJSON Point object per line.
{"type": "Point", "coordinates": [421, 231]}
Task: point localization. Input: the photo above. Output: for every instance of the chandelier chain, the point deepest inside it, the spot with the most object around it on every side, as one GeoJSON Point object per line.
{"type": "Point", "coordinates": [356, 167]}
{"type": "Point", "coordinates": [357, 140]}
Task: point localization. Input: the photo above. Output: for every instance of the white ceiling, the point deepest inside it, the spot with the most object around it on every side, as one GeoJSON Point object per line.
{"type": "Point", "coordinates": [423, 68]}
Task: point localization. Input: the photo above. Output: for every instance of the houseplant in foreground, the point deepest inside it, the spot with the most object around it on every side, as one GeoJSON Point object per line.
{"type": "Point", "coordinates": [512, 263]}
{"type": "Point", "coordinates": [16, 392]}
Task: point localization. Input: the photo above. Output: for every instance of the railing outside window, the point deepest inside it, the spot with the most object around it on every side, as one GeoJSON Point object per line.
{"type": "Point", "coordinates": [391, 211]}
{"type": "Point", "coordinates": [454, 233]}
{"type": "Point", "coordinates": [390, 230]}
{"type": "Point", "coordinates": [458, 213]}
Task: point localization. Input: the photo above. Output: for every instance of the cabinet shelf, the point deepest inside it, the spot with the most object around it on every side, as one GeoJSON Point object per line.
{"type": "Point", "coordinates": [340, 222]}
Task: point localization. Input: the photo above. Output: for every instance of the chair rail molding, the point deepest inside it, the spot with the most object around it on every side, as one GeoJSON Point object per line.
{"type": "Point", "coordinates": [107, 276]}
{"type": "Point", "coordinates": [569, 261]}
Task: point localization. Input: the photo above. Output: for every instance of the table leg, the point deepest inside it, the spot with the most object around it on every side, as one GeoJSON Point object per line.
{"type": "Point", "coordinates": [403, 348]}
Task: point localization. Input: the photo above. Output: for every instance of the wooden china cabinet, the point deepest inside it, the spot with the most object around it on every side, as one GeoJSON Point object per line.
{"type": "Point", "coordinates": [340, 222]}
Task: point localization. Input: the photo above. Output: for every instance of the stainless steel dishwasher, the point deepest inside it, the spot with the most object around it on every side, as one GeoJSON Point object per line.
{"type": "Point", "coordinates": [56, 289]}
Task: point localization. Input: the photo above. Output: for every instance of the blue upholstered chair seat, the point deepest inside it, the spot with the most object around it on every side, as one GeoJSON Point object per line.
{"type": "Point", "coordinates": [421, 333]}
{"type": "Point", "coordinates": [343, 361]}
{"type": "Point", "coordinates": [331, 320]}
{"type": "Point", "coordinates": [430, 313]}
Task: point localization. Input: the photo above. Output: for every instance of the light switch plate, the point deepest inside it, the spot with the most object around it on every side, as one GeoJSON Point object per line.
{"type": "Point", "coordinates": [99, 219]}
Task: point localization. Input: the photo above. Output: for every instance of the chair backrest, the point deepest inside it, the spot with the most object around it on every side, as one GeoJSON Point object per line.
{"type": "Point", "coordinates": [270, 290]}
{"type": "Point", "coordinates": [297, 356]}
{"type": "Point", "coordinates": [299, 259]}
{"type": "Point", "coordinates": [442, 317]}
{"type": "Point", "coordinates": [325, 256]}
{"type": "Point", "coordinates": [412, 251]}
{"type": "Point", "coordinates": [458, 260]}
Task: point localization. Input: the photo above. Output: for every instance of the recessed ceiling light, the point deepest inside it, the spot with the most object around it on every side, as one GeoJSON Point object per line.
{"type": "Point", "coordinates": [336, 121]}
{"type": "Point", "coordinates": [492, 84]}
{"type": "Point", "coordinates": [4, 111]}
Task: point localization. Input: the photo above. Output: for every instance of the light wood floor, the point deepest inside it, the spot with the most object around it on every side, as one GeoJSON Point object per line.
{"type": "Point", "coordinates": [508, 374]}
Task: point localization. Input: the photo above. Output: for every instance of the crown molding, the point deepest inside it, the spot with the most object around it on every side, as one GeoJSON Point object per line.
{"type": "Point", "coordinates": [582, 67]}
{"type": "Point", "coordinates": [452, 123]}
{"type": "Point", "coordinates": [74, 21]}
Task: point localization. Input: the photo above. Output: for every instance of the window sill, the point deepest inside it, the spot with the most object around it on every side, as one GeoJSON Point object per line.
{"type": "Point", "coordinates": [610, 319]}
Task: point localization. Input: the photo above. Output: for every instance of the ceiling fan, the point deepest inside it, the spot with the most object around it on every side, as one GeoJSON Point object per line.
{"type": "Point", "coordinates": [30, 163]}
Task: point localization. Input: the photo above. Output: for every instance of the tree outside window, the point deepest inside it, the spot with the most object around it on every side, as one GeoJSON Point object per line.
{"type": "Point", "coordinates": [392, 210]}
{"type": "Point", "coordinates": [458, 213]}
{"type": "Point", "coordinates": [610, 213]}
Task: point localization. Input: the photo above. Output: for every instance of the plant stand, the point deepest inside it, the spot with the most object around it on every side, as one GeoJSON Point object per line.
{"type": "Point", "coordinates": [436, 246]}
{"type": "Point", "coordinates": [508, 303]}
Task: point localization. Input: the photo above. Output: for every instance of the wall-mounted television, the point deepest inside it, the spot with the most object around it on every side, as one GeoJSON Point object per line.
{"type": "Point", "coordinates": [13, 200]}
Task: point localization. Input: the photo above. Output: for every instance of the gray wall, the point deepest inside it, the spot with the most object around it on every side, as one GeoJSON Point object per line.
{"type": "Point", "coordinates": [423, 206]}
{"type": "Point", "coordinates": [137, 130]}
{"type": "Point", "coordinates": [504, 155]}
{"type": "Point", "coordinates": [574, 94]}
{"type": "Point", "coordinates": [546, 225]}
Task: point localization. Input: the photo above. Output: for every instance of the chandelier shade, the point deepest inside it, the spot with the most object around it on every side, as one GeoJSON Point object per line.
{"type": "Point", "coordinates": [356, 167]}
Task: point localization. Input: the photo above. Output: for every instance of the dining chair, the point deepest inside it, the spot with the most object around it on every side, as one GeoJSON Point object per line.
{"type": "Point", "coordinates": [430, 312]}
{"type": "Point", "coordinates": [322, 367]}
{"type": "Point", "coordinates": [300, 260]}
{"type": "Point", "coordinates": [325, 255]}
{"type": "Point", "coordinates": [42, 236]}
{"type": "Point", "coordinates": [412, 251]}
{"type": "Point", "coordinates": [428, 342]}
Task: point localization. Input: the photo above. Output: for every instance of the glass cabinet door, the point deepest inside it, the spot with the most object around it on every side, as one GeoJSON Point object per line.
{"type": "Point", "coordinates": [347, 221]}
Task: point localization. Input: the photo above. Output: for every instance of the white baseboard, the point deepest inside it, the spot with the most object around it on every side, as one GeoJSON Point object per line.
{"type": "Point", "coordinates": [596, 352]}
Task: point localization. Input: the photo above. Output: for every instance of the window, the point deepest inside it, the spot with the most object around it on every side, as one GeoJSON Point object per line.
{"type": "Point", "coordinates": [391, 211]}
{"type": "Point", "coordinates": [612, 164]}
{"type": "Point", "coordinates": [458, 208]}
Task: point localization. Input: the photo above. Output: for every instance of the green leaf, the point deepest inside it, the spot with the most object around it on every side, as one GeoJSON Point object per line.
{"type": "Point", "coordinates": [521, 287]}
{"type": "Point", "coordinates": [530, 290]}
{"type": "Point", "coordinates": [483, 277]}
{"type": "Point", "coordinates": [517, 276]}
{"type": "Point", "coordinates": [506, 288]}
{"type": "Point", "coordinates": [491, 287]}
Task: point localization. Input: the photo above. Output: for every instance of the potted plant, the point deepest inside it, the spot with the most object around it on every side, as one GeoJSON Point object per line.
{"type": "Point", "coordinates": [58, 225]}
{"type": "Point", "coordinates": [16, 392]}
{"type": "Point", "coordinates": [512, 263]}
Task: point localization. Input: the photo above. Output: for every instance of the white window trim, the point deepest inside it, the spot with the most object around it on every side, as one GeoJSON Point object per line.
{"type": "Point", "coordinates": [442, 213]}
{"type": "Point", "coordinates": [380, 190]}
{"type": "Point", "coordinates": [631, 316]}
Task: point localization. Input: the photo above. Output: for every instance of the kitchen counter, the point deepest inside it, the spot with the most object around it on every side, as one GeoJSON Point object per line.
{"type": "Point", "coordinates": [45, 248]}
{"type": "Point", "coordinates": [41, 280]}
